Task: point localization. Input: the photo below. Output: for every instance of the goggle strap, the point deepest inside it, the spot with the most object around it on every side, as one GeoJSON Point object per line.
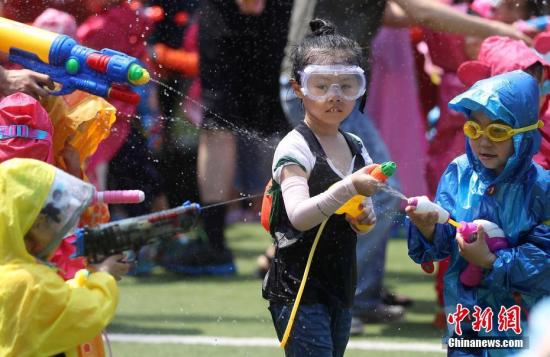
{"type": "Point", "coordinates": [539, 124]}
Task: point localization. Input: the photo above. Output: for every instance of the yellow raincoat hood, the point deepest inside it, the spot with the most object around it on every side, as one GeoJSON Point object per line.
{"type": "Point", "coordinates": [24, 187]}
{"type": "Point", "coordinates": [41, 315]}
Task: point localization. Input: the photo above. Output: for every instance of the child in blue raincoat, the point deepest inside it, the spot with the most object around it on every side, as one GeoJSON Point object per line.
{"type": "Point", "coordinates": [496, 180]}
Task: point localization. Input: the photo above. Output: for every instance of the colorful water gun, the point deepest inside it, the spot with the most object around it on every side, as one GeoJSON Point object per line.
{"type": "Point", "coordinates": [106, 73]}
{"type": "Point", "coordinates": [472, 275]}
{"type": "Point", "coordinates": [98, 243]}
{"type": "Point", "coordinates": [381, 172]}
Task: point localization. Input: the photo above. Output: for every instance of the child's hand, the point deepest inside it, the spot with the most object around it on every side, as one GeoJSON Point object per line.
{"type": "Point", "coordinates": [425, 222]}
{"type": "Point", "coordinates": [113, 265]}
{"type": "Point", "coordinates": [477, 252]}
{"type": "Point", "coordinates": [364, 183]}
{"type": "Point", "coordinates": [367, 217]}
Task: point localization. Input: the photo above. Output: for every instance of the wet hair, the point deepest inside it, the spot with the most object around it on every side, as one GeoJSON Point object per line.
{"type": "Point", "coordinates": [324, 46]}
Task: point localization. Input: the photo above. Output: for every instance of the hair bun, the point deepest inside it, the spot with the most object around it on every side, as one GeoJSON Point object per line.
{"type": "Point", "coordinates": [320, 27]}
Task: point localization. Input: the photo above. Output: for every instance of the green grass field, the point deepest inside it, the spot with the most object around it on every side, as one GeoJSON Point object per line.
{"type": "Point", "coordinates": [168, 304]}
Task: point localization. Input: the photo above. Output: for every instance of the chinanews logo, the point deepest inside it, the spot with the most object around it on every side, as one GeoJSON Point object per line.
{"type": "Point", "coordinates": [482, 320]}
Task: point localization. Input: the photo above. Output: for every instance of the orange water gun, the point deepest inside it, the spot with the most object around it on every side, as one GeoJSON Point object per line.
{"type": "Point", "coordinates": [353, 208]}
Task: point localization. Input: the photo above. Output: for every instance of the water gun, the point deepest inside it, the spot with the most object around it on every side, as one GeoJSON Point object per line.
{"type": "Point", "coordinates": [98, 243]}
{"type": "Point", "coordinates": [471, 276]}
{"type": "Point", "coordinates": [106, 73]}
{"type": "Point", "coordinates": [381, 172]}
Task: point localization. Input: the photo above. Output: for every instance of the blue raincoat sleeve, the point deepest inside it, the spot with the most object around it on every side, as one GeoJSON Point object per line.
{"type": "Point", "coordinates": [420, 249]}
{"type": "Point", "coordinates": [526, 267]}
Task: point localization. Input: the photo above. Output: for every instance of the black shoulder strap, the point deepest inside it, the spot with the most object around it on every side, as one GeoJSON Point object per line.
{"type": "Point", "coordinates": [355, 145]}
{"type": "Point", "coordinates": [316, 148]}
{"type": "Point", "coordinates": [313, 143]}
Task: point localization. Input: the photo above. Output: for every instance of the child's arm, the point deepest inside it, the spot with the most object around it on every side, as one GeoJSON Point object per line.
{"type": "Point", "coordinates": [526, 267]}
{"type": "Point", "coordinates": [305, 212]}
{"type": "Point", "coordinates": [427, 239]}
{"type": "Point", "coordinates": [60, 317]}
{"type": "Point", "coordinates": [422, 250]}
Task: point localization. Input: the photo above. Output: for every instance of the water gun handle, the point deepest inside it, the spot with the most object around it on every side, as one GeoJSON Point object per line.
{"type": "Point", "coordinates": [468, 230]}
{"type": "Point", "coordinates": [119, 197]}
{"type": "Point", "coordinates": [471, 276]}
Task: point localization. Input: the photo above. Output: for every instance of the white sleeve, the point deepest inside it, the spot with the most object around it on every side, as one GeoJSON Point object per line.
{"type": "Point", "coordinates": [292, 150]}
{"type": "Point", "coordinates": [304, 212]}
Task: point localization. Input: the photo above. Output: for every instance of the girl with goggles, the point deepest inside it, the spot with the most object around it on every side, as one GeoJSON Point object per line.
{"type": "Point", "coordinates": [496, 132]}
{"type": "Point", "coordinates": [317, 167]}
{"type": "Point", "coordinates": [319, 82]}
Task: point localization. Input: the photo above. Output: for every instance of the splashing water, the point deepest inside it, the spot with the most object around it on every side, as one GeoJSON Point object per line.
{"type": "Point", "coordinates": [267, 142]}
{"type": "Point", "coordinates": [392, 191]}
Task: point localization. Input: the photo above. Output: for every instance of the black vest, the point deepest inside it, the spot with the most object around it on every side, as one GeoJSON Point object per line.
{"type": "Point", "coordinates": [332, 277]}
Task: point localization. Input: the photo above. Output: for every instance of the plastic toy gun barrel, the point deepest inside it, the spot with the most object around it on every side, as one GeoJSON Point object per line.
{"type": "Point", "coordinates": [100, 242]}
{"type": "Point", "coordinates": [119, 197]}
{"type": "Point", "coordinates": [106, 73]}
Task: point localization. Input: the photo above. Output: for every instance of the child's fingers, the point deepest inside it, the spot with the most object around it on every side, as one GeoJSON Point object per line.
{"type": "Point", "coordinates": [367, 217]}
{"type": "Point", "coordinates": [461, 243]}
{"type": "Point", "coordinates": [480, 232]}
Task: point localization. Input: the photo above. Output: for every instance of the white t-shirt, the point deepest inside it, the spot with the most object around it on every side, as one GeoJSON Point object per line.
{"type": "Point", "coordinates": [295, 148]}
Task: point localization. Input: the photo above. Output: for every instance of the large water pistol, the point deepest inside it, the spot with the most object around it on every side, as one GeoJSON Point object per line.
{"type": "Point", "coordinates": [133, 233]}
{"type": "Point", "coordinates": [106, 73]}
{"type": "Point", "coordinates": [381, 172]}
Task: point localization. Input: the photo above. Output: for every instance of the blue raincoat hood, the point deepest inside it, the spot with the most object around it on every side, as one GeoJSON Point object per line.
{"type": "Point", "coordinates": [512, 97]}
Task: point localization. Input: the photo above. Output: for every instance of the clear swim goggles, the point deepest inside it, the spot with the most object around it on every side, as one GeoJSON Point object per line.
{"type": "Point", "coordinates": [320, 82]}
{"type": "Point", "coordinates": [496, 132]}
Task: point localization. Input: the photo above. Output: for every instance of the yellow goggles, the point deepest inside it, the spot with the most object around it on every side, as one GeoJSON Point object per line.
{"type": "Point", "coordinates": [496, 132]}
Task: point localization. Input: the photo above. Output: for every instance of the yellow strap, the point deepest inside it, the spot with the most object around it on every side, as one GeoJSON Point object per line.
{"type": "Point", "coordinates": [302, 286]}
{"type": "Point", "coordinates": [547, 222]}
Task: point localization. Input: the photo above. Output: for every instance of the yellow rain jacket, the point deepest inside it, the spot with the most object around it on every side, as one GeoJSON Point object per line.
{"type": "Point", "coordinates": [41, 315]}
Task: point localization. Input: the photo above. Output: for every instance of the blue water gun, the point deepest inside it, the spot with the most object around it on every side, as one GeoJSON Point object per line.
{"type": "Point", "coordinates": [106, 73]}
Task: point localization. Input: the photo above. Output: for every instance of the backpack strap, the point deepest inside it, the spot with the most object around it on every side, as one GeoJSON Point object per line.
{"type": "Point", "coordinates": [311, 139]}
{"type": "Point", "coordinates": [355, 145]}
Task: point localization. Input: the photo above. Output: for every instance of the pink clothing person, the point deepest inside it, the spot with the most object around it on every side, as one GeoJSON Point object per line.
{"type": "Point", "coordinates": [393, 72]}
{"type": "Point", "coordinates": [56, 21]}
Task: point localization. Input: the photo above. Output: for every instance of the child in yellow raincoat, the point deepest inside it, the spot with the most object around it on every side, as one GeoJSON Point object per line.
{"type": "Point", "coordinates": [41, 315]}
